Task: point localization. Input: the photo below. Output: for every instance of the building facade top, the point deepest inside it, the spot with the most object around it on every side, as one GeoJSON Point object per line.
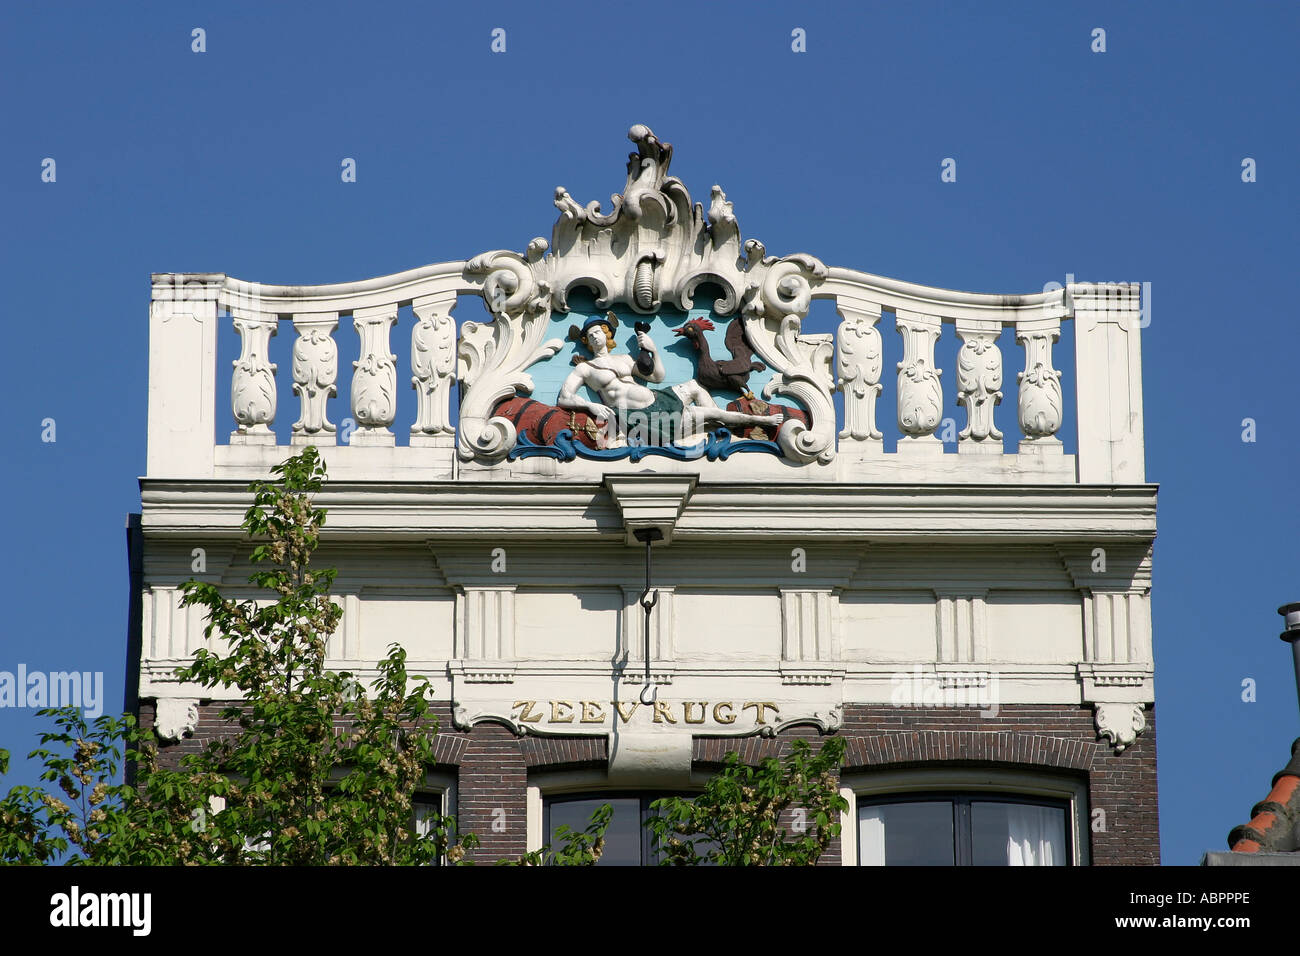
{"type": "Point", "coordinates": [648, 337]}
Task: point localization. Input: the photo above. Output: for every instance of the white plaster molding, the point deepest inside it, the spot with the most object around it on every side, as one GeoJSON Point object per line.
{"type": "Point", "coordinates": [650, 759]}
{"type": "Point", "coordinates": [482, 672]}
{"type": "Point", "coordinates": [447, 511]}
{"type": "Point", "coordinates": [801, 675]}
{"type": "Point", "coordinates": [661, 674]}
{"type": "Point", "coordinates": [485, 624]}
{"type": "Point", "coordinates": [650, 501]}
{"type": "Point", "coordinates": [1120, 723]}
{"type": "Point", "coordinates": [315, 372]}
{"type": "Point", "coordinates": [807, 635]}
{"type": "Point", "coordinates": [961, 625]}
{"type": "Point", "coordinates": [663, 646]}
{"type": "Point", "coordinates": [1117, 683]}
{"type": "Point", "coordinates": [175, 717]}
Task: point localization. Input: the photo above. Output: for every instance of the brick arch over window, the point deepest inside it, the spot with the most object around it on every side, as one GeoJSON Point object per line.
{"type": "Point", "coordinates": [939, 746]}
{"type": "Point", "coordinates": [564, 753]}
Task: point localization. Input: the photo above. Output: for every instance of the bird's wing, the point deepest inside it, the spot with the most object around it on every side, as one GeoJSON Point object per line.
{"type": "Point", "coordinates": [735, 340]}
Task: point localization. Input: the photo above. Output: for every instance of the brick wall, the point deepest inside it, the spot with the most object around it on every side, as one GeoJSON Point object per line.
{"type": "Point", "coordinates": [492, 764]}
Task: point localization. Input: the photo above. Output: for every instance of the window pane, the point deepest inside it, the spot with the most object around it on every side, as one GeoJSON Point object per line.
{"type": "Point", "coordinates": [622, 839]}
{"type": "Point", "coordinates": [906, 834]}
{"type": "Point", "coordinates": [425, 809]}
{"type": "Point", "coordinates": [1017, 834]}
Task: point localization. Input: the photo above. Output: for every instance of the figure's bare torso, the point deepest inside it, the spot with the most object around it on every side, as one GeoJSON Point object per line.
{"type": "Point", "coordinates": [610, 377]}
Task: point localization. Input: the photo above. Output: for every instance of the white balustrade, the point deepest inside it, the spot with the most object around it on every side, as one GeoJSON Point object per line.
{"type": "Point", "coordinates": [1107, 375]}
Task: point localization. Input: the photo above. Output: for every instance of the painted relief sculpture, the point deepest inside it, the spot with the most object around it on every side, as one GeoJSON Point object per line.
{"type": "Point", "coordinates": [647, 256]}
{"type": "Point", "coordinates": [656, 416]}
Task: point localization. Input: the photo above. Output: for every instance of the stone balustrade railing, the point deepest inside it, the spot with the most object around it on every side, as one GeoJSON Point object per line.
{"type": "Point", "coordinates": [183, 370]}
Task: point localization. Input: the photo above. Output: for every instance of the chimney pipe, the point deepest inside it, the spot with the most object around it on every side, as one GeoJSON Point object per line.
{"type": "Point", "coordinates": [1291, 614]}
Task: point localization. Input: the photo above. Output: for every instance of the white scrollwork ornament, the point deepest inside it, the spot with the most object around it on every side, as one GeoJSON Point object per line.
{"type": "Point", "coordinates": [1041, 404]}
{"type": "Point", "coordinates": [433, 360]}
{"type": "Point", "coordinates": [252, 386]}
{"type": "Point", "coordinates": [374, 376]}
{"type": "Point", "coordinates": [493, 356]}
{"type": "Point", "coordinates": [315, 371]}
{"type": "Point", "coordinates": [920, 397]}
{"type": "Point", "coordinates": [858, 368]}
{"type": "Point", "coordinates": [979, 380]}
{"type": "Point", "coordinates": [1120, 723]}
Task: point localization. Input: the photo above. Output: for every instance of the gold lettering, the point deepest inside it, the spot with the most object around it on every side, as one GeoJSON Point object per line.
{"type": "Point", "coordinates": [662, 714]}
{"type": "Point", "coordinates": [592, 712]}
{"type": "Point", "coordinates": [555, 712]}
{"type": "Point", "coordinates": [686, 711]}
{"type": "Point", "coordinates": [730, 717]}
{"type": "Point", "coordinates": [527, 708]}
{"type": "Point", "coordinates": [627, 714]}
{"type": "Point", "coordinates": [761, 707]}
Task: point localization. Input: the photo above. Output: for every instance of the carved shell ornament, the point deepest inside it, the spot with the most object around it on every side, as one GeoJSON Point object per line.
{"type": "Point", "coordinates": [652, 249]}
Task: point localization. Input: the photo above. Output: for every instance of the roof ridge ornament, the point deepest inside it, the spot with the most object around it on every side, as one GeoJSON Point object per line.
{"type": "Point", "coordinates": [653, 249]}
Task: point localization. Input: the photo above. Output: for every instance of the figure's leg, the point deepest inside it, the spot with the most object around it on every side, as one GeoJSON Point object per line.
{"type": "Point", "coordinates": [725, 417]}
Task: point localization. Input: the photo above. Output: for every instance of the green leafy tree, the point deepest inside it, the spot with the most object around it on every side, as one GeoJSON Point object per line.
{"type": "Point", "coordinates": [781, 813]}
{"type": "Point", "coordinates": [316, 769]}
{"type": "Point", "coordinates": [91, 818]}
{"type": "Point", "coordinates": [580, 847]}
{"type": "Point", "coordinates": [322, 771]}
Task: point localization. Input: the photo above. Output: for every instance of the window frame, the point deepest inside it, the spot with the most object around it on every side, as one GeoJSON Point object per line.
{"type": "Point", "coordinates": [592, 785]}
{"type": "Point", "coordinates": [972, 782]}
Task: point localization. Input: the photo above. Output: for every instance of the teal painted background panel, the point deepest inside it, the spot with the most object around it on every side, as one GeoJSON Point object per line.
{"type": "Point", "coordinates": [675, 352]}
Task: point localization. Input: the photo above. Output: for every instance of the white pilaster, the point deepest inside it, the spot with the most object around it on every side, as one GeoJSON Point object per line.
{"type": "Point", "coordinates": [1108, 356]}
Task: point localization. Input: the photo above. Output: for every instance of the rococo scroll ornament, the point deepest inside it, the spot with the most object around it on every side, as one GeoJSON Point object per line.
{"type": "Point", "coordinates": [648, 255]}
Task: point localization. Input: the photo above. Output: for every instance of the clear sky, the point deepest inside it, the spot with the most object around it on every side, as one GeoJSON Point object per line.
{"type": "Point", "coordinates": [1116, 165]}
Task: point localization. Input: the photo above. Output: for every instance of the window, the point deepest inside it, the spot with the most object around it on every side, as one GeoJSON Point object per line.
{"type": "Point", "coordinates": [426, 806]}
{"type": "Point", "coordinates": [956, 829]}
{"type": "Point", "coordinates": [628, 842]}
{"type": "Point", "coordinates": [965, 816]}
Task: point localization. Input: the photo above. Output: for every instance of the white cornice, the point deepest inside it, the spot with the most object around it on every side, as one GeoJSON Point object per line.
{"type": "Point", "coordinates": [433, 510]}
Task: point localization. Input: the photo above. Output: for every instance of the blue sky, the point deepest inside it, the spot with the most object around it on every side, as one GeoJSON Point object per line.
{"type": "Point", "coordinates": [1122, 165]}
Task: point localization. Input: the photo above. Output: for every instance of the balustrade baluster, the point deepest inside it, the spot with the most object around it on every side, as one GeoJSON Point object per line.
{"type": "Point", "coordinates": [374, 377]}
{"type": "Point", "coordinates": [1041, 404]}
{"type": "Point", "coordinates": [858, 365]}
{"type": "Point", "coordinates": [315, 372]}
{"type": "Point", "coordinates": [920, 396]}
{"type": "Point", "coordinates": [979, 384]}
{"type": "Point", "coordinates": [433, 362]}
{"type": "Point", "coordinates": [252, 385]}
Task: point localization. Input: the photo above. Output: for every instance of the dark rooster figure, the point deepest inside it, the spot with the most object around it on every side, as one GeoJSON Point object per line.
{"type": "Point", "coordinates": [732, 373]}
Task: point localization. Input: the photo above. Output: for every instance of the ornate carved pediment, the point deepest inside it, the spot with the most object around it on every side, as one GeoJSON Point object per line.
{"type": "Point", "coordinates": [647, 256]}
